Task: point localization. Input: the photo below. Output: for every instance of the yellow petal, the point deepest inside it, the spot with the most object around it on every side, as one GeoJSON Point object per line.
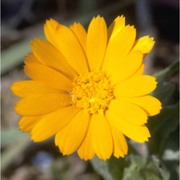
{"type": "Point", "coordinates": [71, 137]}
{"type": "Point", "coordinates": [29, 87]}
{"type": "Point", "coordinates": [86, 150]}
{"type": "Point", "coordinates": [115, 27]}
{"type": "Point", "coordinates": [52, 123]}
{"type": "Point", "coordinates": [48, 76]}
{"type": "Point", "coordinates": [128, 112]}
{"type": "Point", "coordinates": [80, 33]}
{"type": "Point", "coordinates": [135, 86]}
{"type": "Point", "coordinates": [50, 56]}
{"type": "Point", "coordinates": [150, 104]}
{"type": "Point", "coordinates": [27, 123]}
{"type": "Point", "coordinates": [101, 136]}
{"type": "Point", "coordinates": [30, 58]}
{"type": "Point", "coordinates": [50, 28]}
{"type": "Point", "coordinates": [67, 43]}
{"type": "Point", "coordinates": [140, 71]}
{"type": "Point", "coordinates": [127, 68]}
{"type": "Point", "coordinates": [96, 42]}
{"type": "Point", "coordinates": [119, 141]}
{"type": "Point", "coordinates": [118, 48]}
{"type": "Point", "coordinates": [134, 132]}
{"type": "Point", "coordinates": [139, 134]}
{"type": "Point", "coordinates": [41, 104]}
{"type": "Point", "coordinates": [144, 44]}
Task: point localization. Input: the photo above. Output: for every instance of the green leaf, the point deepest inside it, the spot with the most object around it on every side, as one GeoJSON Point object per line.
{"type": "Point", "coordinates": [133, 170]}
{"type": "Point", "coordinates": [11, 135]}
{"type": "Point", "coordinates": [161, 168]}
{"type": "Point", "coordinates": [112, 168]}
{"type": "Point", "coordinates": [167, 92]}
{"type": "Point", "coordinates": [116, 166]}
{"type": "Point", "coordinates": [101, 167]}
{"type": "Point", "coordinates": [161, 126]}
{"type": "Point", "coordinates": [14, 142]}
{"type": "Point", "coordinates": [141, 168]}
{"type": "Point", "coordinates": [12, 152]}
{"type": "Point", "coordinates": [170, 70]}
{"type": "Point", "coordinates": [131, 167]}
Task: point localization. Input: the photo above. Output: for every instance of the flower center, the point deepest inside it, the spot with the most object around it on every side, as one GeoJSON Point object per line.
{"type": "Point", "coordinates": [92, 92]}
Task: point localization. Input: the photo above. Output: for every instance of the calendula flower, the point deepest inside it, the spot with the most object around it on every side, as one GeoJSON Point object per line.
{"type": "Point", "coordinates": [87, 88]}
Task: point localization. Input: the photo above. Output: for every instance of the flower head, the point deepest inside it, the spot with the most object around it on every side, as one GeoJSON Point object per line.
{"type": "Point", "coordinates": [87, 88]}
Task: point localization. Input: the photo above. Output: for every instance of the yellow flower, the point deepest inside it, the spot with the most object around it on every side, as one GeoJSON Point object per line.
{"type": "Point", "coordinates": [87, 88]}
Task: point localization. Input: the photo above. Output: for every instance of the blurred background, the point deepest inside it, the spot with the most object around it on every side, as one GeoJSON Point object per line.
{"type": "Point", "coordinates": [22, 20]}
